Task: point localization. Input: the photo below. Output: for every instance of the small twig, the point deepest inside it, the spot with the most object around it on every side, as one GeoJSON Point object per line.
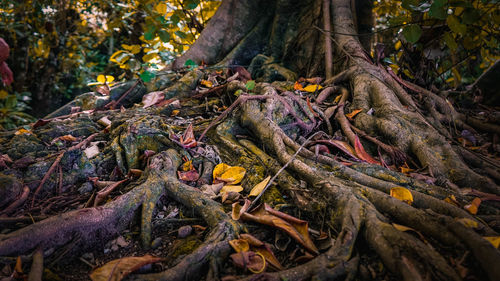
{"type": "Point", "coordinates": [282, 169]}
{"type": "Point", "coordinates": [106, 191]}
{"type": "Point", "coordinates": [18, 202]}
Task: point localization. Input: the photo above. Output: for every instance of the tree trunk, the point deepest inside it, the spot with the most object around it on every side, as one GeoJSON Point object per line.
{"type": "Point", "coordinates": [265, 130]}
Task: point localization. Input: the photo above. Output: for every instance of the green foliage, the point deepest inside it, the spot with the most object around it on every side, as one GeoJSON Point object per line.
{"type": "Point", "coordinates": [458, 38]}
{"type": "Point", "coordinates": [12, 109]}
{"type": "Point", "coordinates": [58, 48]}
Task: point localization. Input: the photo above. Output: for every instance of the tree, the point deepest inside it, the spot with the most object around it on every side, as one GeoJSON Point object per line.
{"type": "Point", "coordinates": [369, 205]}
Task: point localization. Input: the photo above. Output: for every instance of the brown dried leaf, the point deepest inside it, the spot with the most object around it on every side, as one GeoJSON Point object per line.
{"type": "Point", "coordinates": [354, 113]}
{"type": "Point", "coordinates": [361, 153]}
{"type": "Point", "coordinates": [116, 270]}
{"type": "Point", "coordinates": [152, 98]}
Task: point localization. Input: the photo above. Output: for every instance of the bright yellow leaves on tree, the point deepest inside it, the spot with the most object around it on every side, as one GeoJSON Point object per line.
{"type": "Point", "coordinates": [402, 194]}
{"type": "Point", "coordinates": [161, 8]}
{"type": "Point", "coordinates": [103, 79]}
{"type": "Point", "coordinates": [134, 49]}
{"type": "Point", "coordinates": [228, 174]}
{"type": "Point", "coordinates": [473, 206]}
{"type": "Point", "coordinates": [258, 188]}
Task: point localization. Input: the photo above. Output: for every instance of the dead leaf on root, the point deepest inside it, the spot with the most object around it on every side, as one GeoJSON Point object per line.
{"type": "Point", "coordinates": [247, 242]}
{"type": "Point", "coordinates": [228, 174]}
{"type": "Point", "coordinates": [473, 206]}
{"type": "Point", "coordinates": [152, 98]}
{"type": "Point", "coordinates": [296, 228]}
{"type": "Point", "coordinates": [116, 270]}
{"type": "Point", "coordinates": [361, 153]}
{"type": "Point", "coordinates": [494, 240]}
{"type": "Point", "coordinates": [312, 88]}
{"type": "Point", "coordinates": [252, 261]}
{"type": "Point", "coordinates": [258, 188]}
{"type": "Point", "coordinates": [402, 194]}
{"type": "Point", "coordinates": [354, 113]}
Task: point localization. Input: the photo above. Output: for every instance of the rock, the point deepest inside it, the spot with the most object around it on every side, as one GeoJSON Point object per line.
{"type": "Point", "coordinates": [86, 188]}
{"type": "Point", "coordinates": [184, 231]}
{"type": "Point", "coordinates": [156, 243]}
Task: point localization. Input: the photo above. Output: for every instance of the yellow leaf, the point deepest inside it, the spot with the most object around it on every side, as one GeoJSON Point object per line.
{"type": "Point", "coordinates": [110, 78]}
{"type": "Point", "coordinates": [187, 166]}
{"type": "Point", "coordinates": [451, 200]}
{"type": "Point", "coordinates": [220, 169]}
{"type": "Point", "coordinates": [239, 245]}
{"type": "Point", "coordinates": [231, 188]}
{"type": "Point", "coordinates": [495, 240]}
{"type": "Point", "coordinates": [175, 112]}
{"type": "Point", "coordinates": [402, 194]}
{"type": "Point", "coordinates": [134, 49]}
{"type": "Point", "coordinates": [161, 8]}
{"type": "Point", "coordinates": [354, 113]}
{"type": "Point", "coordinates": [473, 206]}
{"type": "Point", "coordinates": [22, 131]}
{"type": "Point", "coordinates": [402, 227]}
{"type": "Point", "coordinates": [233, 175]}
{"type": "Point", "coordinates": [3, 94]}
{"type": "Point", "coordinates": [312, 88]}
{"type": "Point", "coordinates": [337, 99]}
{"type": "Point", "coordinates": [468, 222]}
{"type": "Point", "coordinates": [257, 189]}
{"type": "Point", "coordinates": [101, 79]}
{"type": "Point", "coordinates": [206, 83]}
{"type": "Point", "coordinates": [397, 46]}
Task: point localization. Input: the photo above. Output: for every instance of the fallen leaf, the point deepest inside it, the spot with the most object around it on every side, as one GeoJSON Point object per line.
{"type": "Point", "coordinates": [103, 89]}
{"type": "Point", "coordinates": [494, 240]}
{"type": "Point", "coordinates": [189, 175]}
{"type": "Point", "coordinates": [187, 166]}
{"type": "Point", "coordinates": [297, 86]}
{"type": "Point", "coordinates": [405, 169]}
{"type": "Point", "coordinates": [228, 174]}
{"type": "Point", "coordinates": [258, 188]}
{"type": "Point", "coordinates": [337, 99]}
{"type": "Point", "coordinates": [22, 131]}
{"type": "Point", "coordinates": [92, 151]}
{"type": "Point", "coordinates": [342, 145]}
{"type": "Point", "coordinates": [354, 113]}
{"type": "Point", "coordinates": [116, 270]}
{"type": "Point", "coordinates": [361, 153]}
{"type": "Point", "coordinates": [296, 228]}
{"type": "Point", "coordinates": [175, 112]}
{"type": "Point", "coordinates": [211, 189]}
{"type": "Point", "coordinates": [231, 188]}
{"type": "Point", "coordinates": [152, 98]}
{"type": "Point", "coordinates": [468, 222]}
{"type": "Point", "coordinates": [187, 139]}
{"type": "Point", "coordinates": [402, 194]}
{"type": "Point", "coordinates": [239, 245]}
{"type": "Point", "coordinates": [451, 200]}
{"type": "Point", "coordinates": [252, 261]}
{"type": "Point", "coordinates": [473, 206]}
{"type": "Point", "coordinates": [230, 197]}
{"type": "Point", "coordinates": [237, 209]}
{"type": "Point", "coordinates": [402, 227]}
{"type": "Point", "coordinates": [67, 138]}
{"type": "Point", "coordinates": [206, 83]}
{"type": "Point", "coordinates": [41, 122]}
{"type": "Point", "coordinates": [312, 88]}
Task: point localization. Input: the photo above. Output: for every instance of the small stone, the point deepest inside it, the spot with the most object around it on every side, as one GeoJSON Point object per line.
{"type": "Point", "coordinates": [86, 188]}
{"type": "Point", "coordinates": [156, 243]}
{"type": "Point", "coordinates": [184, 231]}
{"type": "Point", "coordinates": [89, 257]}
{"type": "Point", "coordinates": [106, 251]}
{"type": "Point", "coordinates": [121, 242]}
